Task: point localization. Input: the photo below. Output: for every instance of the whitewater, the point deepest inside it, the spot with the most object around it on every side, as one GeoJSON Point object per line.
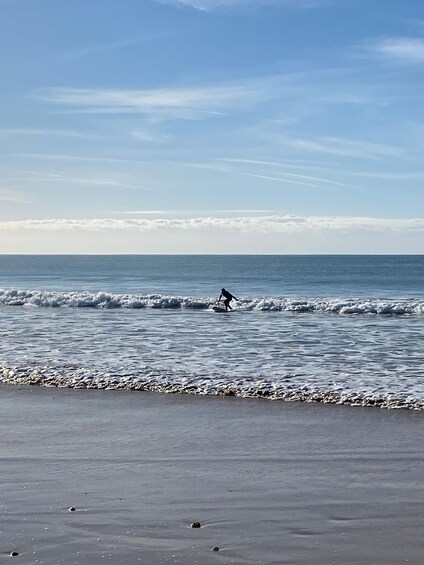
{"type": "Point", "coordinates": [45, 299]}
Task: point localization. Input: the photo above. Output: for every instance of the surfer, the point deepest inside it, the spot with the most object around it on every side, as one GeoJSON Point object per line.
{"type": "Point", "coordinates": [228, 297]}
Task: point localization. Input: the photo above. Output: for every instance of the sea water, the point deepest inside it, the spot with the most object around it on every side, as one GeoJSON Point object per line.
{"type": "Point", "coordinates": [345, 329]}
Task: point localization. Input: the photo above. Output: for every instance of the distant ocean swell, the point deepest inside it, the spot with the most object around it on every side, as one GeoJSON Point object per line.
{"type": "Point", "coordinates": [154, 380]}
{"type": "Point", "coordinates": [99, 300]}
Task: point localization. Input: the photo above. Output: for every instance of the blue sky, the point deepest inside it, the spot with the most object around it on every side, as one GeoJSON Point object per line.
{"type": "Point", "coordinates": [215, 126]}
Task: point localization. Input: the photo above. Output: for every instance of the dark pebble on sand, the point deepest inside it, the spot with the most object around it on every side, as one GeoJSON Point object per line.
{"type": "Point", "coordinates": [72, 509]}
{"type": "Point", "coordinates": [195, 525]}
{"type": "Point", "coordinates": [14, 554]}
{"type": "Point", "coordinates": [215, 548]}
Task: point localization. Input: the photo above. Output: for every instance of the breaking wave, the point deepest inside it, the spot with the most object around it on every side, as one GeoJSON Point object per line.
{"type": "Point", "coordinates": [53, 299]}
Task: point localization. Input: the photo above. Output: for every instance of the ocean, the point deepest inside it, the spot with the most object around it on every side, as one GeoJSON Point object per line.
{"type": "Point", "coordinates": [340, 329]}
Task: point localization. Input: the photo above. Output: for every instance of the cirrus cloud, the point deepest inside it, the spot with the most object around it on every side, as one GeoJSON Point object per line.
{"type": "Point", "coordinates": [184, 103]}
{"type": "Point", "coordinates": [209, 5]}
{"type": "Point", "coordinates": [402, 49]}
{"type": "Point", "coordinates": [11, 195]}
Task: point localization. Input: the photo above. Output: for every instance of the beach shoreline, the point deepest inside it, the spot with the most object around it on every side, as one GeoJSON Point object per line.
{"type": "Point", "coordinates": [270, 482]}
{"type": "Point", "coordinates": [76, 378]}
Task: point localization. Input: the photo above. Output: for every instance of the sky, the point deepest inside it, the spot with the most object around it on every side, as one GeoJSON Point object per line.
{"type": "Point", "coordinates": [211, 126]}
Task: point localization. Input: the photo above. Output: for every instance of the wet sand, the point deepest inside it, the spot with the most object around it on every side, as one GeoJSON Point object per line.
{"type": "Point", "coordinates": [270, 482]}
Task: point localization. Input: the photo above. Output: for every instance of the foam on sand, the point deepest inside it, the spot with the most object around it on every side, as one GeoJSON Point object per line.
{"type": "Point", "coordinates": [149, 379]}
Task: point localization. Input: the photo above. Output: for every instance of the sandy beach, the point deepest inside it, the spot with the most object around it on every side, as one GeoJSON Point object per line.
{"type": "Point", "coordinates": [270, 482]}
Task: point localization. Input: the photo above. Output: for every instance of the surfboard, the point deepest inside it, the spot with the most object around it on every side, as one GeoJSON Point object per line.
{"type": "Point", "coordinates": [219, 309]}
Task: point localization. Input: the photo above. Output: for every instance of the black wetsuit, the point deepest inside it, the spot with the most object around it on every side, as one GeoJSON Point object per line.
{"type": "Point", "coordinates": [228, 297]}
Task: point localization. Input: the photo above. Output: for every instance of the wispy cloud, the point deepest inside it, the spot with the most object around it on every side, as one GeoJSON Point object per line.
{"type": "Point", "coordinates": [390, 176]}
{"type": "Point", "coordinates": [59, 178]}
{"type": "Point", "coordinates": [88, 50]}
{"type": "Point", "coordinates": [402, 49]}
{"type": "Point", "coordinates": [46, 132]}
{"type": "Point", "coordinates": [150, 136]}
{"type": "Point", "coordinates": [95, 181]}
{"type": "Point", "coordinates": [64, 157]}
{"type": "Point", "coordinates": [273, 165]}
{"type": "Point", "coordinates": [287, 163]}
{"type": "Point", "coordinates": [208, 167]}
{"type": "Point", "coordinates": [184, 103]}
{"type": "Point", "coordinates": [344, 147]}
{"type": "Point", "coordinates": [15, 196]}
{"type": "Point", "coordinates": [209, 5]}
{"type": "Point", "coordinates": [261, 224]}
{"type": "Point", "coordinates": [279, 179]}
{"type": "Point", "coordinates": [289, 97]}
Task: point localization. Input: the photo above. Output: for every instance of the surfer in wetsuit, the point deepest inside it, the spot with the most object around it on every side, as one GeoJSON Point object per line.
{"type": "Point", "coordinates": [228, 297]}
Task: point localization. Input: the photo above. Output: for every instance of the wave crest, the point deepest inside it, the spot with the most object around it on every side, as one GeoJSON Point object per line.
{"type": "Point", "coordinates": [54, 299]}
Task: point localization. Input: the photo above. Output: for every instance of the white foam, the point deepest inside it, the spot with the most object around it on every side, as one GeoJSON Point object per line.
{"type": "Point", "coordinates": [149, 379]}
{"type": "Point", "coordinates": [51, 299]}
